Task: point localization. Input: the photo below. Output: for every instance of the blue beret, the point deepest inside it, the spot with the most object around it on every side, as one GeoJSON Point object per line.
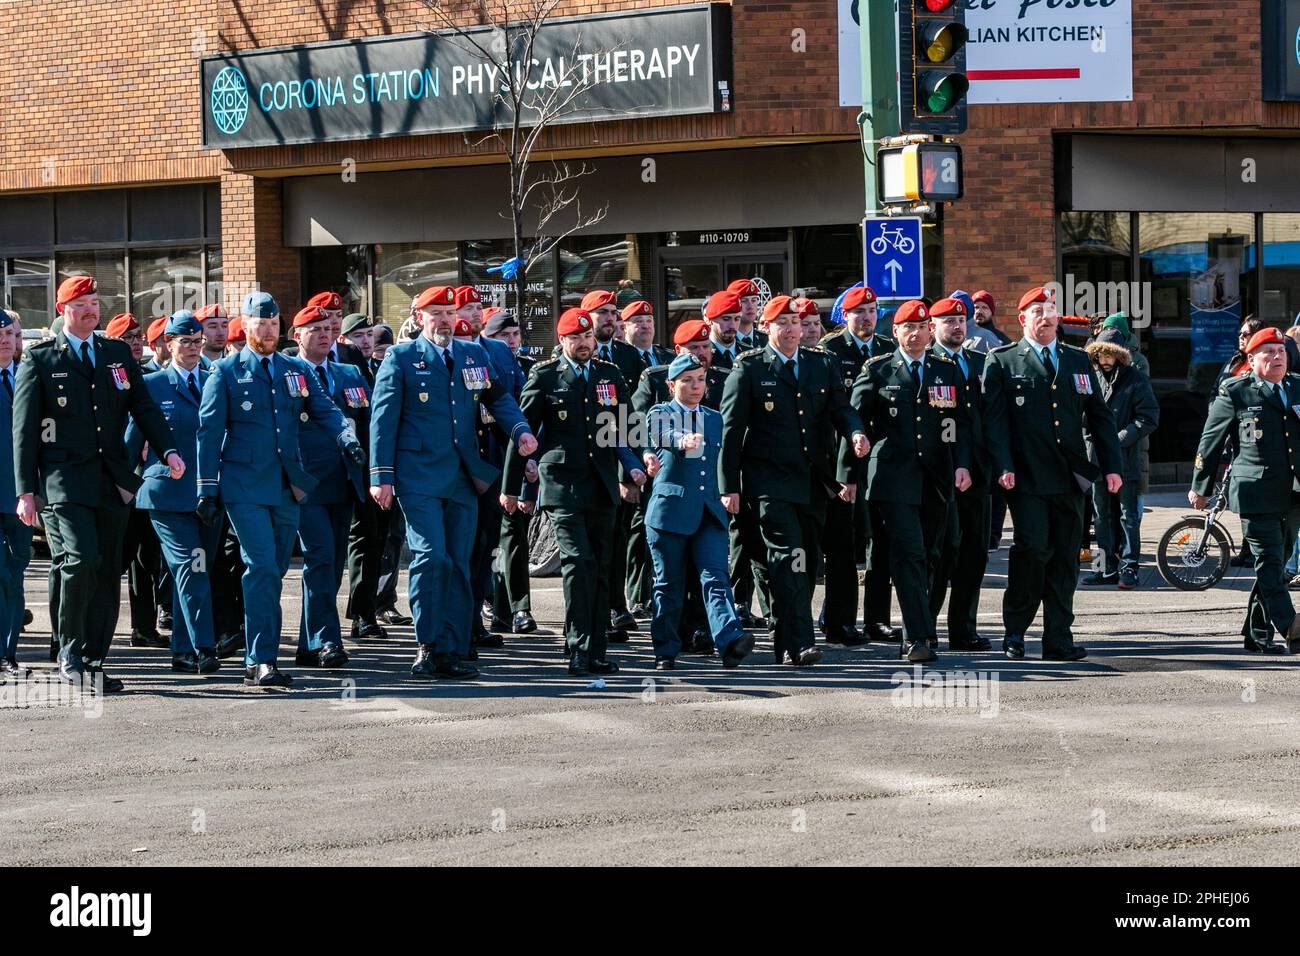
{"type": "Point", "coordinates": [6, 319]}
{"type": "Point", "coordinates": [684, 362]}
{"type": "Point", "coordinates": [259, 305]}
{"type": "Point", "coordinates": [183, 323]}
{"type": "Point", "coordinates": [965, 299]}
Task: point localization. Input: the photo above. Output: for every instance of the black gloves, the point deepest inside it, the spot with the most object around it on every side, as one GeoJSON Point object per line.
{"type": "Point", "coordinates": [208, 511]}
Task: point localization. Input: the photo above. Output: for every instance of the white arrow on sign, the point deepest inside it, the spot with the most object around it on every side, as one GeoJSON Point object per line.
{"type": "Point", "coordinates": [894, 267]}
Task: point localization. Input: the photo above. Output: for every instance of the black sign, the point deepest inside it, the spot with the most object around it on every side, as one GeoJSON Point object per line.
{"type": "Point", "coordinates": [615, 66]}
{"type": "Point", "coordinates": [1280, 50]}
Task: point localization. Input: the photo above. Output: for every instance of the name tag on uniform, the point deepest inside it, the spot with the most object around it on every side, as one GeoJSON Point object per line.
{"type": "Point", "coordinates": [246, 380]}
{"type": "Point", "coordinates": [476, 377]}
{"type": "Point", "coordinates": [943, 396]}
{"type": "Point", "coordinates": [606, 394]}
{"type": "Point", "coordinates": [166, 405]}
{"type": "Point", "coordinates": [120, 377]}
{"type": "Point", "coordinates": [767, 384]}
{"type": "Point", "coordinates": [356, 397]}
{"type": "Point", "coordinates": [1083, 384]}
{"type": "Point", "coordinates": [58, 375]}
{"type": "Point", "coordinates": [297, 384]}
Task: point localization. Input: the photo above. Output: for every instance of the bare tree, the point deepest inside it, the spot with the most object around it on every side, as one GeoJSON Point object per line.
{"type": "Point", "coordinates": [547, 195]}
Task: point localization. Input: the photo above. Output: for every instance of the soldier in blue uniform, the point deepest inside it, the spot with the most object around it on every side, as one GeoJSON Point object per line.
{"type": "Point", "coordinates": [685, 516]}
{"type": "Point", "coordinates": [15, 537]}
{"type": "Point", "coordinates": [424, 450]}
{"type": "Point", "coordinates": [189, 547]}
{"type": "Point", "coordinates": [326, 511]}
{"type": "Point", "coordinates": [256, 401]}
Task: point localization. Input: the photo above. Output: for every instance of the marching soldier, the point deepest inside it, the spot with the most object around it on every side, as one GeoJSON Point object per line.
{"type": "Point", "coordinates": [359, 332]}
{"type": "Point", "coordinates": [71, 402]}
{"type": "Point", "coordinates": [920, 450]}
{"type": "Point", "coordinates": [570, 400]}
{"type": "Point", "coordinates": [154, 336]}
{"type": "Point", "coordinates": [1260, 410]}
{"type": "Point", "coordinates": [747, 336]}
{"type": "Point", "coordinates": [964, 551]}
{"type": "Point", "coordinates": [188, 545]}
{"type": "Point", "coordinates": [327, 509]}
{"type": "Point", "coordinates": [424, 453]}
{"type": "Point", "coordinates": [1039, 397]}
{"type": "Point", "coordinates": [686, 525]}
{"type": "Point", "coordinates": [848, 529]}
{"type": "Point", "coordinates": [216, 332]}
{"type": "Point", "coordinates": [15, 536]}
{"type": "Point", "coordinates": [810, 323]}
{"type": "Point", "coordinates": [255, 401]}
{"type": "Point", "coordinates": [777, 448]}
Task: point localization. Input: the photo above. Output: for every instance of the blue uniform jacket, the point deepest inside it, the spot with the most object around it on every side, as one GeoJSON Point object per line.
{"type": "Point", "coordinates": [321, 455]}
{"type": "Point", "coordinates": [423, 437]}
{"type": "Point", "coordinates": [248, 428]}
{"type": "Point", "coordinates": [686, 487]}
{"type": "Point", "coordinates": [161, 492]}
{"type": "Point", "coordinates": [507, 366]}
{"type": "Point", "coordinates": [8, 494]}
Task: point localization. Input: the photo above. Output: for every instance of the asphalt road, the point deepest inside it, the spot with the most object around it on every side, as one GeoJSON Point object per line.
{"type": "Point", "coordinates": [1167, 745]}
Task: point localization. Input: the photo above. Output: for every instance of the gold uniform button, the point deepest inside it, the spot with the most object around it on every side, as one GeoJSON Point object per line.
{"type": "Point", "coordinates": [1053, 404]}
{"type": "Point", "coordinates": [1053, 387]}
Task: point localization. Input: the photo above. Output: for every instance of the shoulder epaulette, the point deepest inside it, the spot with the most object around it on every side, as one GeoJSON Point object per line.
{"type": "Point", "coordinates": [1067, 345]}
{"type": "Point", "coordinates": [598, 361]}
{"type": "Point", "coordinates": [747, 354]}
{"type": "Point", "coordinates": [1004, 348]}
{"type": "Point", "coordinates": [546, 362]}
{"type": "Point", "coordinates": [943, 357]}
{"type": "Point", "coordinates": [877, 359]}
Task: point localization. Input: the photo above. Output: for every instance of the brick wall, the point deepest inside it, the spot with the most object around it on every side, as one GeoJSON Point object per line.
{"type": "Point", "coordinates": [253, 251]}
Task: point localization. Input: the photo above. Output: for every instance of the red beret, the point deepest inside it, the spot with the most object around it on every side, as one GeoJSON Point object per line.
{"type": "Point", "coordinates": [465, 294]}
{"type": "Point", "coordinates": [720, 304]}
{"type": "Point", "coordinates": [236, 331]}
{"type": "Point", "coordinates": [778, 305]}
{"type": "Point", "coordinates": [947, 307]}
{"type": "Point", "coordinates": [805, 307]}
{"type": "Point", "coordinates": [1033, 295]}
{"type": "Point", "coordinates": [692, 330]}
{"type": "Point", "coordinates": [120, 325]}
{"type": "Point", "coordinates": [309, 314]}
{"type": "Point", "coordinates": [982, 296]}
{"type": "Point", "coordinates": [574, 320]}
{"type": "Point", "coordinates": [913, 310]}
{"type": "Point", "coordinates": [435, 295]}
{"type": "Point", "coordinates": [639, 307]}
{"type": "Point", "coordinates": [1268, 336]}
{"type": "Point", "coordinates": [324, 300]}
{"type": "Point", "coordinates": [462, 328]}
{"type": "Point", "coordinates": [743, 287]}
{"type": "Point", "coordinates": [156, 328]}
{"type": "Point", "coordinates": [73, 288]}
{"type": "Point", "coordinates": [214, 311]}
{"type": "Point", "coordinates": [595, 299]}
{"type": "Point", "coordinates": [856, 298]}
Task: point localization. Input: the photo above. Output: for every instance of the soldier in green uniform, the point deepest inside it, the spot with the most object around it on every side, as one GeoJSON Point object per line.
{"type": "Point", "coordinates": [920, 450]}
{"type": "Point", "coordinates": [570, 402]}
{"type": "Point", "coordinates": [1261, 410]}
{"type": "Point", "coordinates": [778, 448]}
{"type": "Point", "coordinates": [848, 536]}
{"type": "Point", "coordinates": [1039, 397]}
{"type": "Point", "coordinates": [71, 402]}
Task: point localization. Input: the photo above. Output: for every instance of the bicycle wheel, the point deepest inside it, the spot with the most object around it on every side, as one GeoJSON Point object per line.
{"type": "Point", "coordinates": [1192, 558]}
{"type": "Point", "coordinates": [906, 245]}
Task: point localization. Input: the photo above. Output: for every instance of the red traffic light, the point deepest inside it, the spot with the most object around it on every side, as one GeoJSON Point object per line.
{"type": "Point", "coordinates": [938, 6]}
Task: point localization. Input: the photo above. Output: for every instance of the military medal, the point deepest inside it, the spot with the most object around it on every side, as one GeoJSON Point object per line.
{"type": "Point", "coordinates": [120, 378]}
{"type": "Point", "coordinates": [943, 396]}
{"type": "Point", "coordinates": [247, 406]}
{"type": "Point", "coordinates": [476, 377]}
{"type": "Point", "coordinates": [356, 397]}
{"type": "Point", "coordinates": [606, 394]}
{"type": "Point", "coordinates": [1083, 383]}
{"type": "Point", "coordinates": [297, 384]}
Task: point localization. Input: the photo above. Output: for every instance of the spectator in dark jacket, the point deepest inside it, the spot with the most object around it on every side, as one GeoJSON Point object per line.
{"type": "Point", "coordinates": [1132, 401]}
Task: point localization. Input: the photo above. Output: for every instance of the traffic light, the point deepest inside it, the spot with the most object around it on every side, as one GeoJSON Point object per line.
{"type": "Point", "coordinates": [924, 172]}
{"type": "Point", "coordinates": [932, 84]}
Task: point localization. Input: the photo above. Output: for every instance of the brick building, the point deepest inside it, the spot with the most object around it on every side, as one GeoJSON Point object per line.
{"type": "Point", "coordinates": [103, 169]}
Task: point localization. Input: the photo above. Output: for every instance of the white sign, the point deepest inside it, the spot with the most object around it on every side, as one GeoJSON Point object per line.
{"type": "Point", "coordinates": [1026, 51]}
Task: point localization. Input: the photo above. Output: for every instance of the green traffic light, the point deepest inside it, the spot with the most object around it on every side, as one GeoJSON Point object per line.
{"type": "Point", "coordinates": [946, 92]}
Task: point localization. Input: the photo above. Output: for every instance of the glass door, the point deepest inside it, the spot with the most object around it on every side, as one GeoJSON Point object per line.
{"type": "Point", "coordinates": [690, 275]}
{"type": "Point", "coordinates": [29, 296]}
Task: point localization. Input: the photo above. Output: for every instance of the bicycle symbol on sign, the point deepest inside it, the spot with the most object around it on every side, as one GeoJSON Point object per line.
{"type": "Point", "coordinates": [896, 238]}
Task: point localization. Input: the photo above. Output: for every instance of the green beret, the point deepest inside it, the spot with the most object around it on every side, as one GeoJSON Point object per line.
{"type": "Point", "coordinates": [356, 320]}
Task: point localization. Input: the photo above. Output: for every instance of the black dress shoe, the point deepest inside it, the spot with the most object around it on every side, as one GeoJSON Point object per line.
{"type": "Point", "coordinates": [807, 657]}
{"type": "Point", "coordinates": [640, 612]}
{"type": "Point", "coordinates": [882, 632]}
{"type": "Point", "coordinates": [390, 615]}
{"type": "Point", "coordinates": [144, 639]}
{"type": "Point", "coordinates": [207, 661]}
{"type": "Point", "coordinates": [473, 652]}
{"type": "Point", "coordinates": [1013, 647]}
{"type": "Point", "coordinates": [72, 669]}
{"type": "Point", "coordinates": [450, 665]}
{"type": "Point", "coordinates": [327, 655]}
{"type": "Point", "coordinates": [622, 621]}
{"type": "Point", "coordinates": [579, 664]}
{"type": "Point", "coordinates": [102, 683]}
{"type": "Point", "coordinates": [746, 618]}
{"type": "Point", "coordinates": [919, 652]}
{"type": "Point", "coordinates": [665, 663]}
{"type": "Point", "coordinates": [616, 635]}
{"type": "Point", "coordinates": [846, 636]}
{"type": "Point", "coordinates": [523, 623]}
{"type": "Point", "coordinates": [27, 617]}
{"type": "Point", "coordinates": [266, 675]}
{"type": "Point", "coordinates": [487, 639]}
{"type": "Point", "coordinates": [1075, 653]}
{"type": "Point", "coordinates": [498, 624]}
{"type": "Point", "coordinates": [228, 645]}
{"type": "Point", "coordinates": [363, 630]}
{"type": "Point", "coordinates": [164, 620]}
{"type": "Point", "coordinates": [602, 665]}
{"type": "Point", "coordinates": [970, 644]}
{"type": "Point", "coordinates": [702, 643]}
{"type": "Point", "coordinates": [933, 642]}
{"type": "Point", "coordinates": [737, 650]}
{"type": "Point", "coordinates": [11, 670]}
{"type": "Point", "coordinates": [185, 663]}
{"type": "Point", "coordinates": [1266, 647]}
{"type": "Point", "coordinates": [424, 664]}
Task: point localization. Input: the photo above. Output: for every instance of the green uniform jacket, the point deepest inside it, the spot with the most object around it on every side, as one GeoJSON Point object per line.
{"type": "Point", "coordinates": [850, 359]}
{"type": "Point", "coordinates": [918, 437]}
{"type": "Point", "coordinates": [70, 425]}
{"type": "Point", "coordinates": [574, 459]}
{"type": "Point", "coordinates": [653, 389]}
{"type": "Point", "coordinates": [981, 467]}
{"type": "Point", "coordinates": [1035, 426]}
{"type": "Point", "coordinates": [1266, 469]}
{"type": "Point", "coordinates": [776, 432]}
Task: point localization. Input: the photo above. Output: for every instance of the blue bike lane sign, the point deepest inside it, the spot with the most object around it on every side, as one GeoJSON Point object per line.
{"type": "Point", "coordinates": [892, 250]}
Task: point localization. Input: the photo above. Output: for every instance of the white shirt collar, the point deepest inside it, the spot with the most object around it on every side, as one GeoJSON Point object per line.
{"type": "Point", "coordinates": [76, 342]}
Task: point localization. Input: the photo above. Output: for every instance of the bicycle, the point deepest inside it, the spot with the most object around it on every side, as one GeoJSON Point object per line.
{"type": "Point", "coordinates": [895, 238]}
{"type": "Point", "coordinates": [1193, 555]}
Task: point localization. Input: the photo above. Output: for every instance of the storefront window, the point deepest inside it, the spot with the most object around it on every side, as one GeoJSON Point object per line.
{"type": "Point", "coordinates": [215, 271]}
{"type": "Point", "coordinates": [341, 269]}
{"type": "Point", "coordinates": [1281, 304]}
{"type": "Point", "coordinates": [404, 269]}
{"type": "Point", "coordinates": [597, 262]}
{"type": "Point", "coordinates": [827, 260]}
{"type": "Point", "coordinates": [163, 281]}
{"type": "Point", "coordinates": [1096, 247]}
{"type": "Point", "coordinates": [108, 266]}
{"type": "Point", "coordinates": [538, 323]}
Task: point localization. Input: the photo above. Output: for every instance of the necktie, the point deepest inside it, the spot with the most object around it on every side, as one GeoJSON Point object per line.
{"type": "Point", "coordinates": [324, 379]}
{"type": "Point", "coordinates": [646, 360]}
{"type": "Point", "coordinates": [194, 388]}
{"type": "Point", "coordinates": [961, 364]}
{"type": "Point", "coordinates": [794, 368]}
{"type": "Point", "coordinates": [604, 353]}
{"type": "Point", "coordinates": [582, 373]}
{"type": "Point", "coordinates": [9, 388]}
{"type": "Point", "coordinates": [85, 356]}
{"type": "Point", "coordinates": [266, 365]}
{"type": "Point", "coordinates": [451, 362]}
{"type": "Point", "coordinates": [1048, 363]}
{"type": "Point", "coordinates": [916, 374]}
{"type": "Point", "coordinates": [1280, 395]}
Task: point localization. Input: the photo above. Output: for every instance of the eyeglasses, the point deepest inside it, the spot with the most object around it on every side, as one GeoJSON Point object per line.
{"type": "Point", "coordinates": [188, 340]}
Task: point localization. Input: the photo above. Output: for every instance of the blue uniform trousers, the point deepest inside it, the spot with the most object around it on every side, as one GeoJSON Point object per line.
{"type": "Point", "coordinates": [323, 532]}
{"type": "Point", "coordinates": [707, 548]}
{"type": "Point", "coordinates": [189, 548]}
{"type": "Point", "coordinates": [440, 534]}
{"type": "Point", "coordinates": [15, 552]}
{"type": "Point", "coordinates": [265, 536]}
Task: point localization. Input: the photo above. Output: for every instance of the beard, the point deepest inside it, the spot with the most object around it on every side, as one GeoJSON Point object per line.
{"type": "Point", "coordinates": [442, 339]}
